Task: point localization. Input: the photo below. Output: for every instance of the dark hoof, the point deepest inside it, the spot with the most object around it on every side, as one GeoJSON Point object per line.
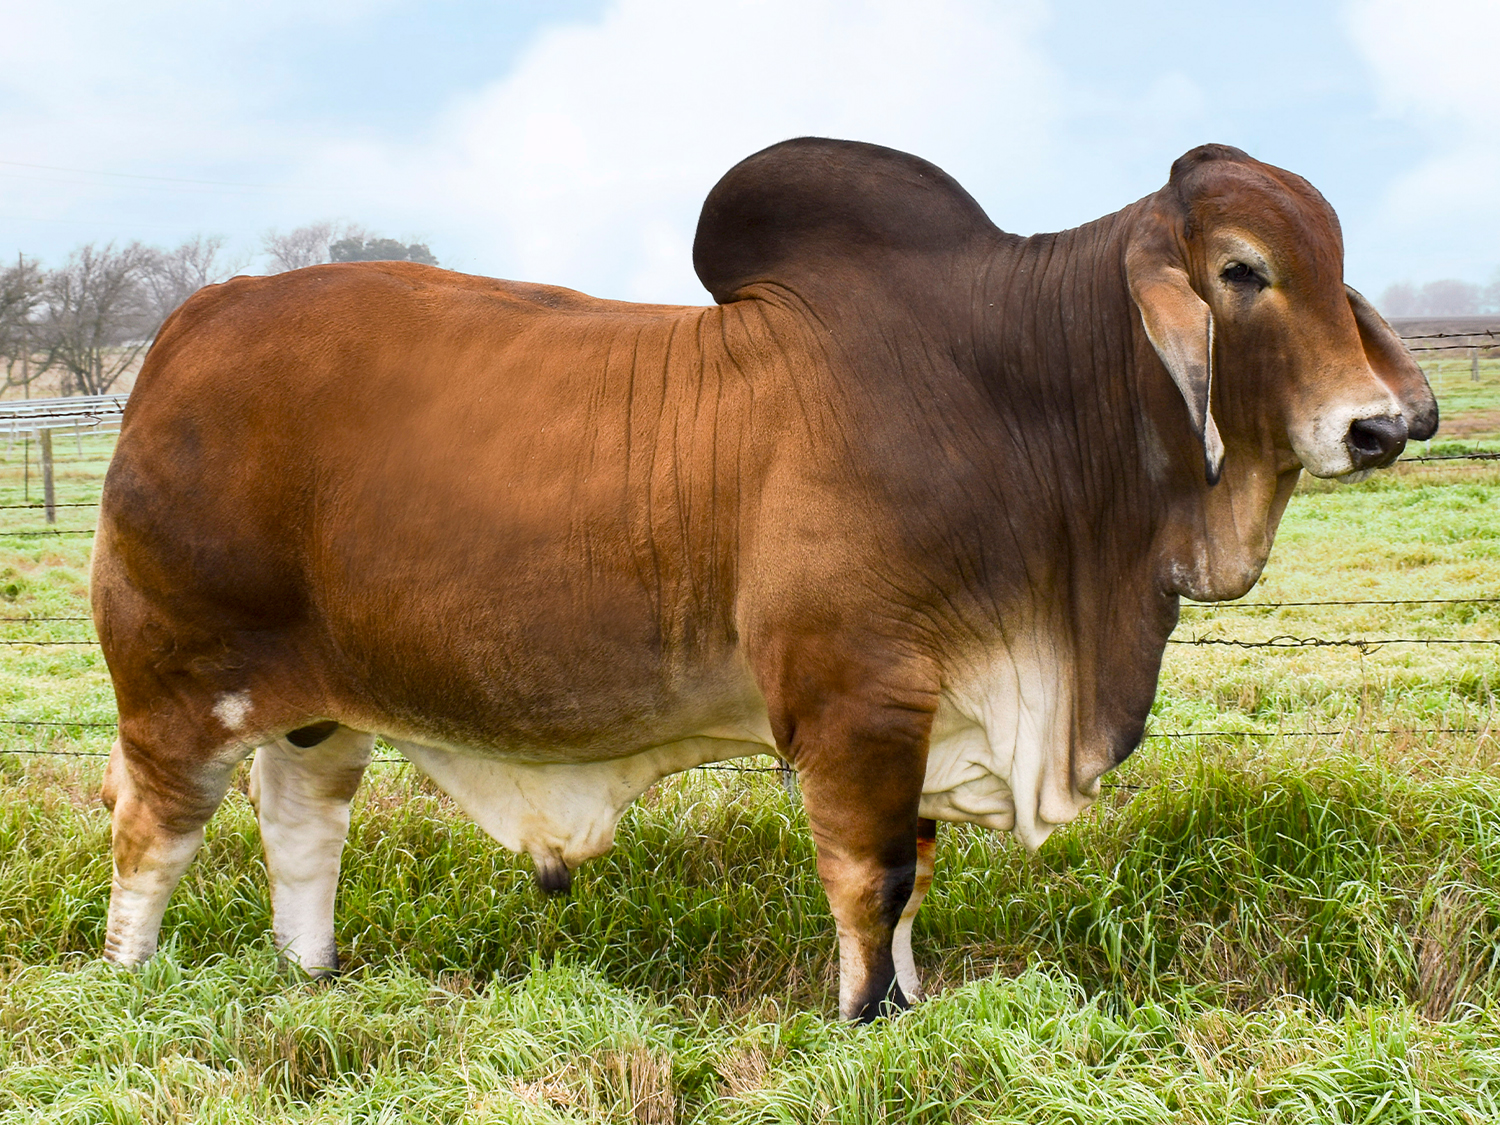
{"type": "Point", "coordinates": [552, 875]}
{"type": "Point", "coordinates": [318, 974]}
{"type": "Point", "coordinates": [893, 1003]}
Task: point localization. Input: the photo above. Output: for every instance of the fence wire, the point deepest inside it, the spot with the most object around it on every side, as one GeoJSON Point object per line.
{"type": "Point", "coordinates": [1364, 646]}
{"type": "Point", "coordinates": [1488, 332]}
{"type": "Point", "coordinates": [1487, 731]}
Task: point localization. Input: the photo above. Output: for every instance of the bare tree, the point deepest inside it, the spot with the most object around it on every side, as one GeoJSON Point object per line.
{"type": "Point", "coordinates": [1399, 299]}
{"type": "Point", "coordinates": [21, 291]}
{"type": "Point", "coordinates": [1450, 297]}
{"type": "Point", "coordinates": [172, 276]}
{"type": "Point", "coordinates": [307, 246]}
{"type": "Point", "coordinates": [98, 316]}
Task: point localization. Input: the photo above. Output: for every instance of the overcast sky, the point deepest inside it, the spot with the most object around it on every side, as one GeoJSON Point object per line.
{"type": "Point", "coordinates": [572, 141]}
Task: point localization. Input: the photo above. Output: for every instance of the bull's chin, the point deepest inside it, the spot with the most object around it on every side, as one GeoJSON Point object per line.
{"type": "Point", "coordinates": [1339, 464]}
{"type": "Point", "coordinates": [1333, 467]}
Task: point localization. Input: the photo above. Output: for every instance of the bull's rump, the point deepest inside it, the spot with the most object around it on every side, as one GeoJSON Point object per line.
{"type": "Point", "coordinates": [476, 513]}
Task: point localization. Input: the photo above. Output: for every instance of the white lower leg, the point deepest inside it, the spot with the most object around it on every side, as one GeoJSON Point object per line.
{"type": "Point", "coordinates": [149, 858]}
{"type": "Point", "coordinates": [906, 966]}
{"type": "Point", "coordinates": [139, 893]}
{"type": "Point", "coordinates": [302, 799]}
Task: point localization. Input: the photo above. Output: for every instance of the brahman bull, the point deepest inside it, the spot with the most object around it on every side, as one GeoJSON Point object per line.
{"type": "Point", "coordinates": [911, 506]}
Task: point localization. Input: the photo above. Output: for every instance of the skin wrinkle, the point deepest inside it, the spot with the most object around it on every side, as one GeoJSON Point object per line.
{"type": "Point", "coordinates": [807, 421]}
{"type": "Point", "coordinates": [742, 530]}
{"type": "Point", "coordinates": [715, 372]}
{"type": "Point", "coordinates": [1082, 439]}
{"type": "Point", "coordinates": [668, 635]}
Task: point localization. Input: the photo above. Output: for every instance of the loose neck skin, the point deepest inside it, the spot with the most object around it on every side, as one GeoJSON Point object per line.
{"type": "Point", "coordinates": [1061, 350]}
{"type": "Point", "coordinates": [1095, 442]}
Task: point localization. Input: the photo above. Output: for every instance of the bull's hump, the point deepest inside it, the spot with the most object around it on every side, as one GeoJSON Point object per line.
{"type": "Point", "coordinates": [813, 205]}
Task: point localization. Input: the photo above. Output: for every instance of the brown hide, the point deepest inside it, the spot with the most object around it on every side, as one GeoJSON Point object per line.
{"type": "Point", "coordinates": [906, 449]}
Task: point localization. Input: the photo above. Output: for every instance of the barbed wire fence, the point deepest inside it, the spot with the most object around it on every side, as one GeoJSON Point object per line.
{"type": "Point", "coordinates": [1363, 645]}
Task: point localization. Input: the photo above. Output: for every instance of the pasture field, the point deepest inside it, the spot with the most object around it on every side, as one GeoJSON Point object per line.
{"type": "Point", "coordinates": [1286, 908]}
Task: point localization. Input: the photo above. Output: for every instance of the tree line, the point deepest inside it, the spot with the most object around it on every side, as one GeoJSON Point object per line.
{"type": "Point", "coordinates": [85, 323]}
{"type": "Point", "coordinates": [1448, 297]}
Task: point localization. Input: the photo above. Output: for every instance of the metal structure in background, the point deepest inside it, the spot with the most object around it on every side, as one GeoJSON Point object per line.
{"type": "Point", "coordinates": [41, 416]}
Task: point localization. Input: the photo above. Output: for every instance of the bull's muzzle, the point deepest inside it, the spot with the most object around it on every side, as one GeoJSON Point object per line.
{"type": "Point", "coordinates": [1373, 443]}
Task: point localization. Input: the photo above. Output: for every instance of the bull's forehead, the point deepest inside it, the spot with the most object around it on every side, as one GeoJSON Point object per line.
{"type": "Point", "coordinates": [1275, 217]}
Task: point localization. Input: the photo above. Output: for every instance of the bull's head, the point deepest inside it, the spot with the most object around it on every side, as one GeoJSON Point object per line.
{"type": "Point", "coordinates": [1237, 269]}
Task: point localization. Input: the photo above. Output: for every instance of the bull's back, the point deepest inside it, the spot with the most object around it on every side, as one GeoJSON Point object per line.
{"type": "Point", "coordinates": [492, 513]}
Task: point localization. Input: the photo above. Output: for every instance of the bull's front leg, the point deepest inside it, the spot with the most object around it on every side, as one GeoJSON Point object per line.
{"type": "Point", "coordinates": [861, 765]}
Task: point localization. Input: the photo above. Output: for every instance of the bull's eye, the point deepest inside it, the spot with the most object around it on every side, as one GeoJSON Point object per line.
{"type": "Point", "coordinates": [1237, 273]}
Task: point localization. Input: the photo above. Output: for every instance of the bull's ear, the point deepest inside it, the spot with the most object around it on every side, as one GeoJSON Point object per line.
{"type": "Point", "coordinates": [1180, 326]}
{"type": "Point", "coordinates": [1395, 367]}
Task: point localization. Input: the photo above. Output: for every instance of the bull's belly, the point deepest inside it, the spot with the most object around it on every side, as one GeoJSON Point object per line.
{"type": "Point", "coordinates": [566, 812]}
{"type": "Point", "coordinates": [998, 758]}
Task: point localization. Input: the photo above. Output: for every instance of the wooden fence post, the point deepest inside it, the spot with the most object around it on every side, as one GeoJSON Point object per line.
{"type": "Point", "coordinates": [44, 443]}
{"type": "Point", "coordinates": [1474, 365]}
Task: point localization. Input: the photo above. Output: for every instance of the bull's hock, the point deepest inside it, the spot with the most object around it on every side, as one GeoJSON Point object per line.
{"type": "Point", "coordinates": [911, 505]}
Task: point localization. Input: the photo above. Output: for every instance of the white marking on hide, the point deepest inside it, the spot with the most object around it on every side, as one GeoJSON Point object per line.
{"type": "Point", "coordinates": [138, 898]}
{"type": "Point", "coordinates": [907, 975]}
{"type": "Point", "coordinates": [854, 976]}
{"type": "Point", "coordinates": [1319, 441]}
{"type": "Point", "coordinates": [156, 862]}
{"type": "Point", "coordinates": [232, 708]}
{"type": "Point", "coordinates": [1000, 754]}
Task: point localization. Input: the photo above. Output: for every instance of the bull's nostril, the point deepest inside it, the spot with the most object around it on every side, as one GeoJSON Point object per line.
{"type": "Point", "coordinates": [1375, 442]}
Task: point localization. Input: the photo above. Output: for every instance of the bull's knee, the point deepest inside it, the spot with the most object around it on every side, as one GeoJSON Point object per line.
{"type": "Point", "coordinates": [301, 797]}
{"type": "Point", "coordinates": [156, 829]}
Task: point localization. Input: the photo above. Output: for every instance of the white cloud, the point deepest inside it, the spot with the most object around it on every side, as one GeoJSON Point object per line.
{"type": "Point", "coordinates": [587, 164]}
{"type": "Point", "coordinates": [161, 88]}
{"type": "Point", "coordinates": [107, 81]}
{"type": "Point", "coordinates": [584, 162]}
{"type": "Point", "coordinates": [1433, 65]}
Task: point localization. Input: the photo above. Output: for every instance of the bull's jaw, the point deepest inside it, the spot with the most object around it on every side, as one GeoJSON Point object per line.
{"type": "Point", "coordinates": [1217, 540]}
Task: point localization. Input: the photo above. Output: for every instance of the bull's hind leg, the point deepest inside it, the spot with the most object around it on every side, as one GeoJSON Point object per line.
{"type": "Point", "coordinates": [906, 966]}
{"type": "Point", "coordinates": [157, 827]}
{"type": "Point", "coordinates": [301, 786]}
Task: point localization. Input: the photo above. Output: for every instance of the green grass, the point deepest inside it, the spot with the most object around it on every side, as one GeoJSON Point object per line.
{"type": "Point", "coordinates": [1469, 408]}
{"type": "Point", "coordinates": [1257, 927]}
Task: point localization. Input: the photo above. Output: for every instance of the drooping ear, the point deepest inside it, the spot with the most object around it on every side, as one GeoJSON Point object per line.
{"type": "Point", "coordinates": [1394, 366]}
{"type": "Point", "coordinates": [1180, 326]}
